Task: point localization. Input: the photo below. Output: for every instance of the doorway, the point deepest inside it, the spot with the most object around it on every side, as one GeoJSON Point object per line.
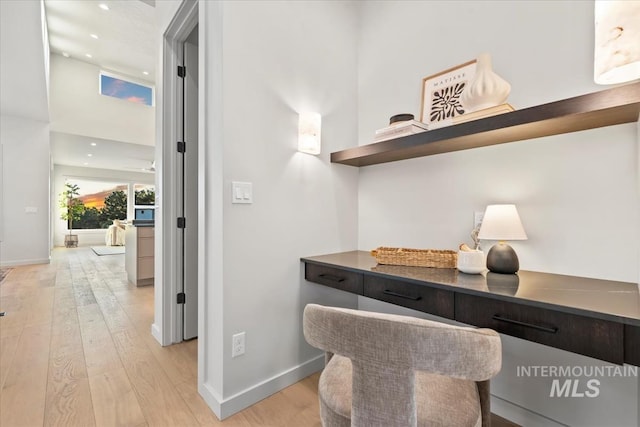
{"type": "Point", "coordinates": [177, 294]}
{"type": "Point", "coordinates": [188, 189]}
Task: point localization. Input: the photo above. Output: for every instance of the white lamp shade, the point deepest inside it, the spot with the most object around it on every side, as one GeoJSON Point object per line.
{"type": "Point", "coordinates": [617, 41]}
{"type": "Point", "coordinates": [501, 222]}
{"type": "Point", "coordinates": [309, 125]}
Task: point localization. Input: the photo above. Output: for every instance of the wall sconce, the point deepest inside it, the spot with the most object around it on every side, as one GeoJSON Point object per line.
{"type": "Point", "coordinates": [502, 222]}
{"type": "Point", "coordinates": [309, 125]}
{"type": "Point", "coordinates": [617, 41]}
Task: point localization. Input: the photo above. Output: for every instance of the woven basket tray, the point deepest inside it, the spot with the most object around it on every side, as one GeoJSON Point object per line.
{"type": "Point", "coordinates": [436, 258]}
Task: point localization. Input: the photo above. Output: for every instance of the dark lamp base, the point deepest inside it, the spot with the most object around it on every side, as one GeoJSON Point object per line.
{"type": "Point", "coordinates": [502, 259]}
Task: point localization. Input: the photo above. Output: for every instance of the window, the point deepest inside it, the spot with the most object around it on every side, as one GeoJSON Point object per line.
{"type": "Point", "coordinates": [145, 194]}
{"type": "Point", "coordinates": [124, 89]}
{"type": "Point", "coordinates": [102, 201]}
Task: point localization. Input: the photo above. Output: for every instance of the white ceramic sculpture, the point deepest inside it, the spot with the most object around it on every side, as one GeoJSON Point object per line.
{"type": "Point", "coordinates": [486, 89]}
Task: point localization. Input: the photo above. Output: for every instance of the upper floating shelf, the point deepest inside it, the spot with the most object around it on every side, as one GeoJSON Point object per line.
{"type": "Point", "coordinates": [599, 109]}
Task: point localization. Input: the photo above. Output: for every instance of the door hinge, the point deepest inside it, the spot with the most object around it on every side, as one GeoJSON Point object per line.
{"type": "Point", "coordinates": [182, 71]}
{"type": "Point", "coordinates": [181, 298]}
{"type": "Point", "coordinates": [182, 222]}
{"type": "Point", "coordinates": [182, 147]}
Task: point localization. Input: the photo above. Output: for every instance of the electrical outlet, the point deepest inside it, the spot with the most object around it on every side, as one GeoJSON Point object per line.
{"type": "Point", "coordinates": [237, 344]}
{"type": "Point", "coordinates": [477, 219]}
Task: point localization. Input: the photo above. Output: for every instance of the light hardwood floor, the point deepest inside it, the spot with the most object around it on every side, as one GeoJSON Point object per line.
{"type": "Point", "coordinates": [76, 350]}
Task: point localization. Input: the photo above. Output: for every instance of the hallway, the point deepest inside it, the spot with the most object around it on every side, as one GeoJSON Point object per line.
{"type": "Point", "coordinates": [76, 350]}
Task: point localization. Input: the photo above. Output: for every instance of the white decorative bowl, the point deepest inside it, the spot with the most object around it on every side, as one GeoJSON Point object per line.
{"type": "Point", "coordinates": [471, 262]}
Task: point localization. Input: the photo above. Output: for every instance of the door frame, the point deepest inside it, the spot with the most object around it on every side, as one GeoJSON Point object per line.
{"type": "Point", "coordinates": [168, 321]}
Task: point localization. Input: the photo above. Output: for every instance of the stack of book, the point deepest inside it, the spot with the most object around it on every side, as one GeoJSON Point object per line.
{"type": "Point", "coordinates": [398, 129]}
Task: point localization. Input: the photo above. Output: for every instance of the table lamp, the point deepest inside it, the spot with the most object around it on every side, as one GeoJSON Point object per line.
{"type": "Point", "coordinates": [502, 222]}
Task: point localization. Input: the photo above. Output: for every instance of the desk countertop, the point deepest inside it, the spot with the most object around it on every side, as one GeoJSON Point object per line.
{"type": "Point", "coordinates": [604, 299]}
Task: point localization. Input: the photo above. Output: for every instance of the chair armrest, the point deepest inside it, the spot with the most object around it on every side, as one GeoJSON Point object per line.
{"type": "Point", "coordinates": [327, 357]}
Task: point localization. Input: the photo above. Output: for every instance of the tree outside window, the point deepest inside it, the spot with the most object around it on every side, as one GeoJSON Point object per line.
{"type": "Point", "coordinates": [102, 201]}
{"type": "Point", "coordinates": [115, 207]}
{"type": "Point", "coordinates": [145, 195]}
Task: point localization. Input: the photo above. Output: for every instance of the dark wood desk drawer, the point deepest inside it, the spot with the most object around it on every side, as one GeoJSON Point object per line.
{"type": "Point", "coordinates": [596, 338]}
{"type": "Point", "coordinates": [632, 345]}
{"type": "Point", "coordinates": [334, 277]}
{"type": "Point", "coordinates": [418, 297]}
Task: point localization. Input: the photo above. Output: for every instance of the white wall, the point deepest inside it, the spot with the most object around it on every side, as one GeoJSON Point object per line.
{"type": "Point", "coordinates": [78, 108]}
{"type": "Point", "coordinates": [61, 173]}
{"type": "Point", "coordinates": [24, 60]}
{"type": "Point", "coordinates": [25, 169]}
{"type": "Point", "coordinates": [264, 62]}
{"type": "Point", "coordinates": [577, 194]}
{"type": "Point", "coordinates": [300, 56]}
{"type": "Point", "coordinates": [24, 135]}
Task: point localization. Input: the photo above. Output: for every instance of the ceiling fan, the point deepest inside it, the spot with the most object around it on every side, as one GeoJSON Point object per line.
{"type": "Point", "coordinates": [151, 168]}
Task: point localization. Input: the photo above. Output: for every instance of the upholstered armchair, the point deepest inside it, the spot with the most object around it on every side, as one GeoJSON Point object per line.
{"type": "Point", "coordinates": [115, 234]}
{"type": "Point", "coordinates": [393, 371]}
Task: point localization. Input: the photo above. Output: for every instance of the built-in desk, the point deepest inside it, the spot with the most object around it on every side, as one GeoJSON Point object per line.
{"type": "Point", "coordinates": [596, 318]}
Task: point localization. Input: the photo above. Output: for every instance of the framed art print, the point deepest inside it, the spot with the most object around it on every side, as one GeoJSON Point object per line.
{"type": "Point", "coordinates": [441, 93]}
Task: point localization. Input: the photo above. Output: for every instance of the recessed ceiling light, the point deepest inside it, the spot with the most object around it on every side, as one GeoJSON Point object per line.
{"type": "Point", "coordinates": [94, 36]}
{"type": "Point", "coordinates": [103, 6]}
{"type": "Point", "coordinates": [146, 73]}
{"type": "Point", "coordinates": [88, 55]}
{"type": "Point", "coordinates": [89, 155]}
{"type": "Point", "coordinates": [93, 144]}
{"type": "Point", "coordinates": [65, 54]}
{"type": "Point", "coordinates": [85, 163]}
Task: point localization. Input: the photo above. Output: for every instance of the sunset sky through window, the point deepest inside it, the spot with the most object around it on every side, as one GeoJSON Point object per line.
{"type": "Point", "coordinates": [128, 91]}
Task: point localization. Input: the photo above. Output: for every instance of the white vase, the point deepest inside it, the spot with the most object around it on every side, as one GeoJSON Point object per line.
{"type": "Point", "coordinates": [486, 89]}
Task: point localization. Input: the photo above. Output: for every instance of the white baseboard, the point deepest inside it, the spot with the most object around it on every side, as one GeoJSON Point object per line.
{"type": "Point", "coordinates": [24, 262]}
{"type": "Point", "coordinates": [519, 415]}
{"type": "Point", "coordinates": [155, 331]}
{"type": "Point", "coordinates": [211, 398]}
{"type": "Point", "coordinates": [224, 408]}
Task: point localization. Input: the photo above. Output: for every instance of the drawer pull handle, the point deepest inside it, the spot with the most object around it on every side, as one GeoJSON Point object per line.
{"type": "Point", "coordinates": [528, 325]}
{"type": "Point", "coordinates": [395, 294]}
{"type": "Point", "coordinates": [331, 277]}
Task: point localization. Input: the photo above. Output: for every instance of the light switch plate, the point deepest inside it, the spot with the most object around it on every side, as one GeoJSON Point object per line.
{"type": "Point", "coordinates": [241, 192]}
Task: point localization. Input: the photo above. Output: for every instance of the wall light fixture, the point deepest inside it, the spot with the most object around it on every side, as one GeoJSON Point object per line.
{"type": "Point", "coordinates": [617, 41]}
{"type": "Point", "coordinates": [309, 125]}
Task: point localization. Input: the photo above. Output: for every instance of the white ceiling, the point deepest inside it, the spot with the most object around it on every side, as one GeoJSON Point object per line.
{"type": "Point", "coordinates": [87, 152]}
{"type": "Point", "coordinates": [126, 40]}
{"type": "Point", "coordinates": [126, 45]}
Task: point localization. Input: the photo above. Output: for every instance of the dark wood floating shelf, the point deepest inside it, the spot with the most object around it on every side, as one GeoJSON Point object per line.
{"type": "Point", "coordinates": [599, 109]}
